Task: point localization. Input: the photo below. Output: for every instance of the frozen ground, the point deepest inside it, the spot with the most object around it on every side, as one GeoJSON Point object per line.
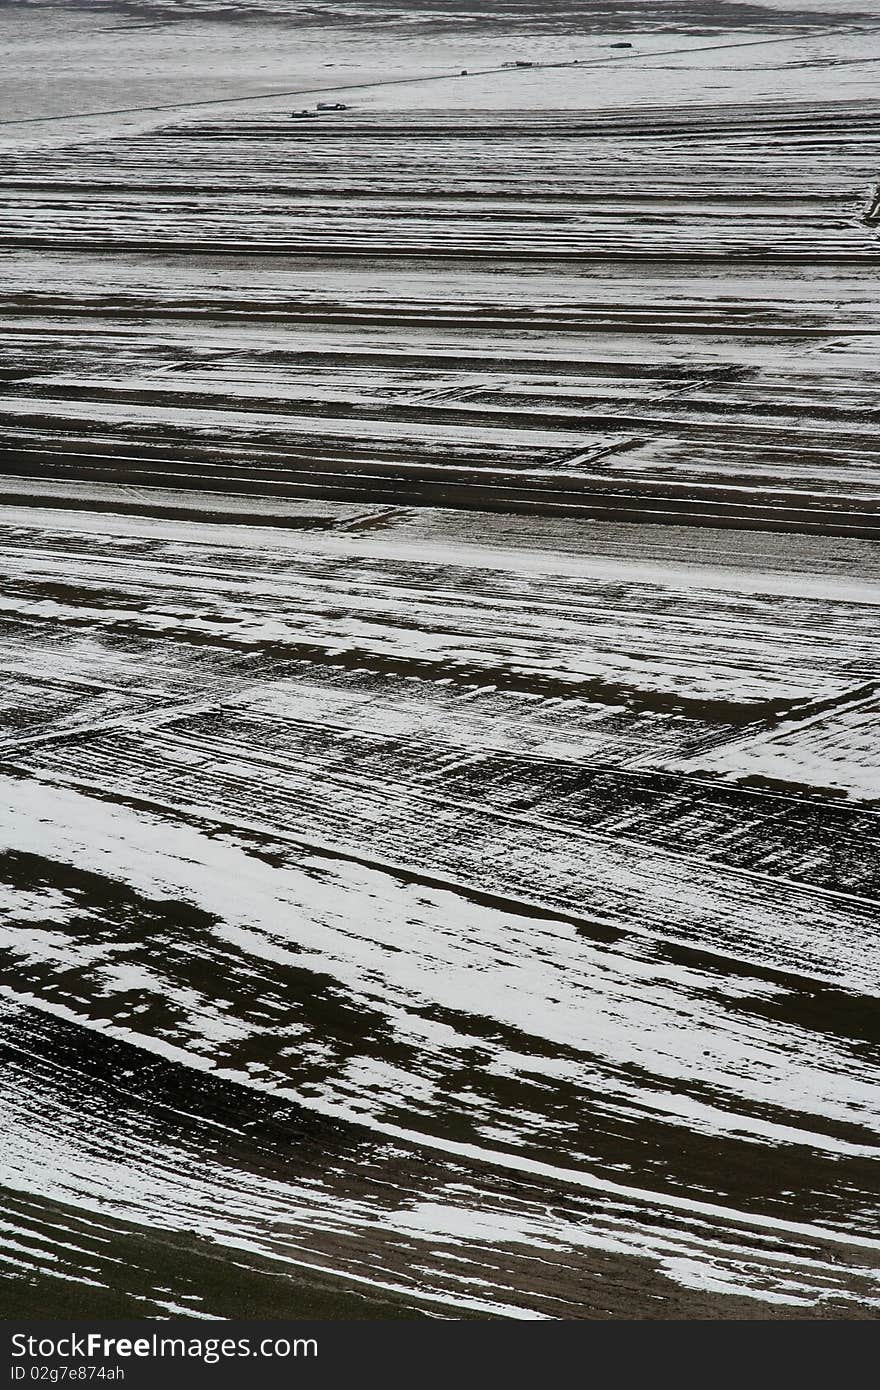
{"type": "Point", "coordinates": [440, 687]}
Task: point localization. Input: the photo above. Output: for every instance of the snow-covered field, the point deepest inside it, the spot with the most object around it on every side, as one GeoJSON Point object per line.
{"type": "Point", "coordinates": [440, 683]}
